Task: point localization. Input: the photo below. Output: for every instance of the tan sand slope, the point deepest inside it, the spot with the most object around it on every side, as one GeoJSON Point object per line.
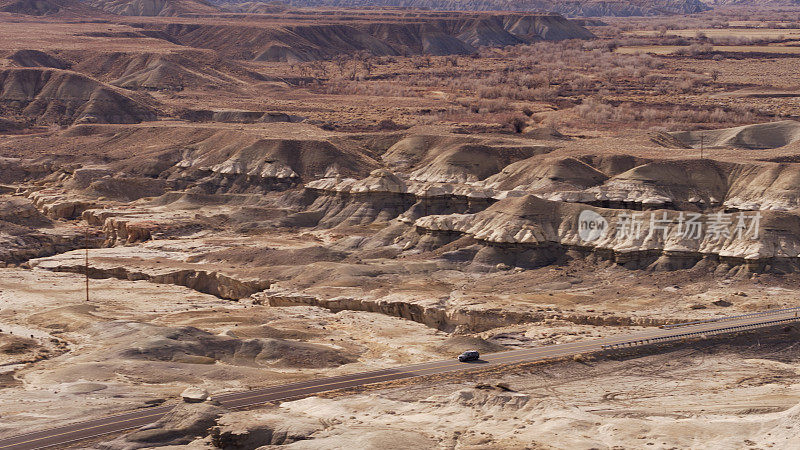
{"type": "Point", "coordinates": [47, 7]}
{"type": "Point", "coordinates": [758, 136]}
{"type": "Point", "coordinates": [439, 36]}
{"type": "Point", "coordinates": [163, 8]}
{"type": "Point", "coordinates": [456, 158]}
{"type": "Point", "coordinates": [537, 175]}
{"type": "Point", "coordinates": [192, 69]}
{"type": "Point", "coordinates": [36, 58]}
{"type": "Point", "coordinates": [59, 96]}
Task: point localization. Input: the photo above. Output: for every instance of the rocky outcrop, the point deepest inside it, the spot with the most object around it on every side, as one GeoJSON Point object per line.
{"type": "Point", "coordinates": [55, 204]}
{"type": "Point", "coordinates": [252, 430]}
{"type": "Point", "coordinates": [450, 318]}
{"type": "Point", "coordinates": [239, 116]}
{"type": "Point", "coordinates": [26, 233]}
{"type": "Point", "coordinates": [194, 395]}
{"type": "Point", "coordinates": [682, 184]}
{"type": "Point", "coordinates": [259, 165]}
{"type": "Point", "coordinates": [439, 183]}
{"type": "Point", "coordinates": [125, 231]}
{"type": "Point", "coordinates": [194, 277]}
{"type": "Point", "coordinates": [181, 425]}
{"type": "Point", "coordinates": [381, 197]}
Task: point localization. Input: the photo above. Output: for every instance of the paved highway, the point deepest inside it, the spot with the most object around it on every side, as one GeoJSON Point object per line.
{"type": "Point", "coordinates": [60, 436]}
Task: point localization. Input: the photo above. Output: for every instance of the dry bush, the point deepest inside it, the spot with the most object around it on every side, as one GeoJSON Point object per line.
{"type": "Point", "coordinates": [516, 123]}
{"type": "Point", "coordinates": [700, 49]}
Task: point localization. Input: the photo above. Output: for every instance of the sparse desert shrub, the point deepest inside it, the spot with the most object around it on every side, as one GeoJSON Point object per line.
{"type": "Point", "coordinates": [516, 123]}
{"type": "Point", "coordinates": [700, 49]}
{"type": "Point", "coordinates": [493, 106]}
{"type": "Point", "coordinates": [682, 51]}
{"type": "Point", "coordinates": [389, 125]}
{"type": "Point", "coordinates": [718, 116]}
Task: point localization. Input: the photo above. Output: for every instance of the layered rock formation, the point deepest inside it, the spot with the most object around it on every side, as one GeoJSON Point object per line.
{"type": "Point", "coordinates": [267, 163]}
{"type": "Point", "coordinates": [112, 263]}
{"type": "Point", "coordinates": [530, 231]}
{"type": "Point", "coordinates": [25, 233]}
{"type": "Point", "coordinates": [451, 316]}
{"type": "Point", "coordinates": [515, 201]}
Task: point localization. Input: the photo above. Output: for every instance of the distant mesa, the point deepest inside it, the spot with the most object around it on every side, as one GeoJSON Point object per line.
{"type": "Point", "coordinates": [461, 34]}
{"type": "Point", "coordinates": [157, 71]}
{"type": "Point", "coordinates": [36, 58]}
{"type": "Point", "coordinates": [162, 8]}
{"type": "Point", "coordinates": [49, 96]}
{"type": "Point", "coordinates": [47, 7]}
{"type": "Point", "coordinates": [751, 3]}
{"type": "Point", "coordinates": [255, 7]}
{"type": "Point", "coordinates": [585, 8]}
{"type": "Point", "coordinates": [174, 8]}
{"type": "Point", "coordinates": [32, 7]}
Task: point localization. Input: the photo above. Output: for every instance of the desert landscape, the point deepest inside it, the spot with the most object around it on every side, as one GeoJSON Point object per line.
{"type": "Point", "coordinates": [203, 198]}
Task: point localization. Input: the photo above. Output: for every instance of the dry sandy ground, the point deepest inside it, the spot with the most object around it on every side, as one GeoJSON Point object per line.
{"type": "Point", "coordinates": [137, 342]}
{"type": "Point", "coordinates": [740, 394]}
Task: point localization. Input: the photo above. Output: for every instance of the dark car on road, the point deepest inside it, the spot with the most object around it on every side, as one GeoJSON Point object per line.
{"type": "Point", "coordinates": [469, 355]}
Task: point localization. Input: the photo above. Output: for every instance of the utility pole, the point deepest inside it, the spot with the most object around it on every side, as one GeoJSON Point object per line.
{"type": "Point", "coordinates": [702, 141]}
{"type": "Point", "coordinates": [86, 260]}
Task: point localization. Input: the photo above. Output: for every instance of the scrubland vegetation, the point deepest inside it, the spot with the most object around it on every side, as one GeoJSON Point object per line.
{"type": "Point", "coordinates": [568, 84]}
